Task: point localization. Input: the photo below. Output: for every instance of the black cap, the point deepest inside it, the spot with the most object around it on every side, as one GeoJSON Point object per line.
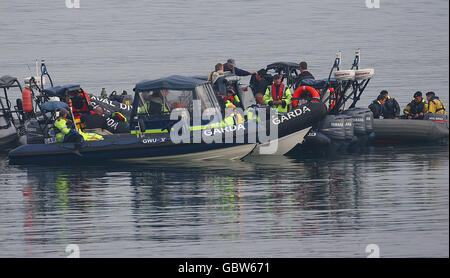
{"type": "Point", "coordinates": [430, 93]}
{"type": "Point", "coordinates": [384, 92]}
{"type": "Point", "coordinates": [276, 76]}
{"type": "Point", "coordinates": [417, 94]}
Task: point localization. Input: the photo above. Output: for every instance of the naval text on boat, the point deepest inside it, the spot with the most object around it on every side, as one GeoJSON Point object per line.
{"type": "Point", "coordinates": [228, 267]}
{"type": "Point", "coordinates": [73, 4]}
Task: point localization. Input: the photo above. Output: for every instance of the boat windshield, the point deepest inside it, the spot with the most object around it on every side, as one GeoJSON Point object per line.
{"type": "Point", "coordinates": [205, 94]}
{"type": "Point", "coordinates": [163, 101]}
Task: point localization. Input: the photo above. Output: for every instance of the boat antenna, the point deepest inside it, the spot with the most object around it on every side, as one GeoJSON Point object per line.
{"type": "Point", "coordinates": [357, 59]}
{"type": "Point", "coordinates": [44, 72]}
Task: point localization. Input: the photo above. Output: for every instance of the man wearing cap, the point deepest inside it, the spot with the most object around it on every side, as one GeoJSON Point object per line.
{"type": "Point", "coordinates": [435, 105]}
{"type": "Point", "coordinates": [417, 108]}
{"type": "Point", "coordinates": [277, 95]}
{"type": "Point", "coordinates": [230, 66]}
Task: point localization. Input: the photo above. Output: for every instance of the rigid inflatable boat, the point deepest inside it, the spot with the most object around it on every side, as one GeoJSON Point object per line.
{"type": "Point", "coordinates": [433, 128]}
{"type": "Point", "coordinates": [155, 134]}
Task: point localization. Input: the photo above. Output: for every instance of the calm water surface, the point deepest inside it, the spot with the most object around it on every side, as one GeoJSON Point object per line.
{"type": "Point", "coordinates": [396, 197]}
{"type": "Point", "coordinates": [266, 207]}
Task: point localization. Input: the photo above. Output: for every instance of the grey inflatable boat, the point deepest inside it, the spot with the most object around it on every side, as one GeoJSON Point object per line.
{"type": "Point", "coordinates": [433, 128]}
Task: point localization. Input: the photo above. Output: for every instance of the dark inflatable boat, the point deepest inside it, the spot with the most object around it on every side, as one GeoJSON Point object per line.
{"type": "Point", "coordinates": [155, 135]}
{"type": "Point", "coordinates": [433, 128]}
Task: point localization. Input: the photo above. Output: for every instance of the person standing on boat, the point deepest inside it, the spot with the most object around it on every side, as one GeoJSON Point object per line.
{"type": "Point", "coordinates": [259, 82]}
{"type": "Point", "coordinates": [435, 105]}
{"type": "Point", "coordinates": [230, 66]}
{"type": "Point", "coordinates": [216, 74]}
{"type": "Point", "coordinates": [391, 109]}
{"type": "Point", "coordinates": [377, 107]}
{"type": "Point", "coordinates": [417, 108]}
{"type": "Point", "coordinates": [304, 73]}
{"type": "Point", "coordinates": [278, 95]}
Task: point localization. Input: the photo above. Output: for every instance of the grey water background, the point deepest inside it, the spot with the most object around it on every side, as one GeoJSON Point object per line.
{"type": "Point", "coordinates": [396, 197]}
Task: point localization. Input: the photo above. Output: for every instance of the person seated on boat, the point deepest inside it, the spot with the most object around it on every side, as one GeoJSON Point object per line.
{"type": "Point", "coordinates": [231, 118]}
{"type": "Point", "coordinates": [154, 103]}
{"type": "Point", "coordinates": [68, 133]}
{"type": "Point", "coordinates": [391, 109]}
{"type": "Point", "coordinates": [435, 105]}
{"type": "Point", "coordinates": [260, 99]}
{"type": "Point", "coordinates": [216, 74]}
{"type": "Point", "coordinates": [95, 122]}
{"type": "Point", "coordinates": [278, 95]}
{"type": "Point", "coordinates": [259, 82]}
{"type": "Point", "coordinates": [232, 98]}
{"type": "Point", "coordinates": [377, 107]}
{"type": "Point", "coordinates": [417, 108]}
{"type": "Point", "coordinates": [230, 66]}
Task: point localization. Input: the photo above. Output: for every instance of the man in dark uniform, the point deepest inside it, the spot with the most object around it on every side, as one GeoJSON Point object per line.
{"type": "Point", "coordinates": [95, 122]}
{"type": "Point", "coordinates": [417, 108]}
{"type": "Point", "coordinates": [230, 66]}
{"type": "Point", "coordinates": [377, 106]}
{"type": "Point", "coordinates": [391, 109]}
{"type": "Point", "coordinates": [259, 83]}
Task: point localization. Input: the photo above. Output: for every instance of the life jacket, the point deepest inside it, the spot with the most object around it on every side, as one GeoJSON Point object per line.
{"type": "Point", "coordinates": [61, 125]}
{"type": "Point", "coordinates": [389, 109]}
{"type": "Point", "coordinates": [416, 108]}
{"type": "Point", "coordinates": [232, 100]}
{"type": "Point", "coordinates": [81, 104]}
{"type": "Point", "coordinates": [280, 92]}
{"type": "Point", "coordinates": [440, 109]}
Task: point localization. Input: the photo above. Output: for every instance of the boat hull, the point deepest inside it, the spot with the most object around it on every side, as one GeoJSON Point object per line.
{"type": "Point", "coordinates": [291, 130]}
{"type": "Point", "coordinates": [408, 131]}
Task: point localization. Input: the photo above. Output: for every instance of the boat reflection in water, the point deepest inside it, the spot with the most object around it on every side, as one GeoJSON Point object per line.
{"type": "Point", "coordinates": [275, 206]}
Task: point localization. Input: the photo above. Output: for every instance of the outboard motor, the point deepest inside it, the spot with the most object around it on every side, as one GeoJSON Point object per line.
{"type": "Point", "coordinates": [362, 125]}
{"type": "Point", "coordinates": [327, 136]}
{"type": "Point", "coordinates": [359, 125]}
{"type": "Point", "coordinates": [333, 126]}
{"type": "Point", "coordinates": [350, 136]}
{"type": "Point", "coordinates": [330, 131]}
{"type": "Point", "coordinates": [33, 132]}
